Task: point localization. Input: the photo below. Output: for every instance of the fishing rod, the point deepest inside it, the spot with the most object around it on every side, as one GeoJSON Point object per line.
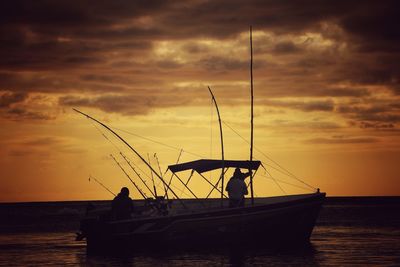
{"type": "Point", "coordinates": [134, 151]}
{"type": "Point", "coordinates": [159, 169]}
{"type": "Point", "coordinates": [90, 176]}
{"type": "Point", "coordinates": [127, 175]}
{"type": "Point", "coordinates": [152, 177]}
{"type": "Point", "coordinates": [137, 174]}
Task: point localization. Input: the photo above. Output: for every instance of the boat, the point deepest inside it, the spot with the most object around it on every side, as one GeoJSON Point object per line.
{"type": "Point", "coordinates": [277, 222]}
{"type": "Point", "coordinates": [263, 221]}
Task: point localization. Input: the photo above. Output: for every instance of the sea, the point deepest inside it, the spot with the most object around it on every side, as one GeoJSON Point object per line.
{"type": "Point", "coordinates": [350, 231]}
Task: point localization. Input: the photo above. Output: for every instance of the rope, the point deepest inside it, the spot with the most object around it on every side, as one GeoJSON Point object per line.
{"type": "Point", "coordinates": [276, 182]}
{"type": "Point", "coordinates": [116, 147]}
{"type": "Point", "coordinates": [105, 136]}
{"type": "Point", "coordinates": [298, 186]}
{"type": "Point", "coordinates": [157, 142]}
{"type": "Point", "coordinates": [281, 169]}
{"type": "Point", "coordinates": [119, 150]}
{"type": "Point", "coordinates": [288, 173]}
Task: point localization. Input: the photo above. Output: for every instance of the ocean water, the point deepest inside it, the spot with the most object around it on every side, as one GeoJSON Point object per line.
{"type": "Point", "coordinates": [349, 232]}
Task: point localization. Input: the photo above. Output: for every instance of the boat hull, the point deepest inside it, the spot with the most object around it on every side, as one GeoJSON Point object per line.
{"type": "Point", "coordinates": [285, 223]}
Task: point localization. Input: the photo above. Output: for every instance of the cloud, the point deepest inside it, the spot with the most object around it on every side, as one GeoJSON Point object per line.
{"type": "Point", "coordinates": [217, 63]}
{"type": "Point", "coordinates": [376, 125]}
{"type": "Point", "coordinates": [286, 47]}
{"type": "Point", "coordinates": [42, 141]}
{"type": "Point", "coordinates": [114, 53]}
{"type": "Point", "coordinates": [9, 98]}
{"type": "Point", "coordinates": [372, 115]}
{"type": "Point", "coordinates": [169, 64]}
{"type": "Point", "coordinates": [18, 114]}
{"type": "Point", "coordinates": [342, 140]}
{"type": "Point", "coordinates": [315, 125]}
{"type": "Point", "coordinates": [131, 104]}
{"type": "Point", "coordinates": [309, 106]}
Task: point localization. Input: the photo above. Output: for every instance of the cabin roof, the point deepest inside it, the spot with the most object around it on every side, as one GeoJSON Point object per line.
{"type": "Point", "coordinates": [205, 165]}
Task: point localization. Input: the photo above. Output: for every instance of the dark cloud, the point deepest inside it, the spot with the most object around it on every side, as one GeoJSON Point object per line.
{"type": "Point", "coordinates": [342, 140]}
{"type": "Point", "coordinates": [85, 13]}
{"type": "Point", "coordinates": [376, 24]}
{"type": "Point", "coordinates": [286, 47]}
{"type": "Point", "coordinates": [342, 92]}
{"type": "Point", "coordinates": [309, 106]}
{"type": "Point", "coordinates": [19, 114]}
{"type": "Point", "coordinates": [43, 141]}
{"type": "Point", "coordinates": [216, 63]}
{"type": "Point", "coordinates": [195, 48]}
{"type": "Point", "coordinates": [131, 104]}
{"type": "Point", "coordinates": [9, 98]}
{"type": "Point", "coordinates": [169, 64]}
{"type": "Point", "coordinates": [371, 116]}
{"type": "Point", "coordinates": [12, 107]}
{"type": "Point", "coordinates": [377, 125]}
{"type": "Point", "coordinates": [106, 47]}
{"type": "Point", "coordinates": [314, 125]}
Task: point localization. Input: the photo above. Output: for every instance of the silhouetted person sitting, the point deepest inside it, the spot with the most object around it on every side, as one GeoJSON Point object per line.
{"type": "Point", "coordinates": [122, 205]}
{"type": "Point", "coordinates": [237, 189]}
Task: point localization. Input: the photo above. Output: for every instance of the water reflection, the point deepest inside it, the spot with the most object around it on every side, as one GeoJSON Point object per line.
{"type": "Point", "coordinates": [330, 246]}
{"type": "Point", "coordinates": [233, 256]}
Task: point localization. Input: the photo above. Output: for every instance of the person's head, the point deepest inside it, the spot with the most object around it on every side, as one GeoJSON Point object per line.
{"type": "Point", "coordinates": [124, 191]}
{"type": "Point", "coordinates": [237, 172]}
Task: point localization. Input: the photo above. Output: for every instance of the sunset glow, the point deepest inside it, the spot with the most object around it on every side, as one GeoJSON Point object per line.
{"type": "Point", "coordinates": [326, 83]}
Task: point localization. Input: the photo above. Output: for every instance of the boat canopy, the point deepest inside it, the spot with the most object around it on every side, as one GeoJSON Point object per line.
{"type": "Point", "coordinates": [205, 165]}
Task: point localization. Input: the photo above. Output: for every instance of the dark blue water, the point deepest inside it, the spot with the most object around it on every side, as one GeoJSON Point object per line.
{"type": "Point", "coordinates": [350, 231]}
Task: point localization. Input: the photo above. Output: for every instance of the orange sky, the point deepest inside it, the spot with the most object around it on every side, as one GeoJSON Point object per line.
{"type": "Point", "coordinates": [326, 93]}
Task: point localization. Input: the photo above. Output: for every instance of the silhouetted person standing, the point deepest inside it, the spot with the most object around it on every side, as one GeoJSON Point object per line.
{"type": "Point", "coordinates": [237, 189]}
{"type": "Point", "coordinates": [122, 205]}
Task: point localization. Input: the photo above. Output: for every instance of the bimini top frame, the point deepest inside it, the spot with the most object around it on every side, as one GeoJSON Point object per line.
{"type": "Point", "coordinates": [205, 165]}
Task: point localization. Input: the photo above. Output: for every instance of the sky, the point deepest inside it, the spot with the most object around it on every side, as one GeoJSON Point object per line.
{"type": "Point", "coordinates": [326, 94]}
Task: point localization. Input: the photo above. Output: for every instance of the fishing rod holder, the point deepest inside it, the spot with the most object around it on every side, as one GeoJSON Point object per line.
{"type": "Point", "coordinates": [160, 204]}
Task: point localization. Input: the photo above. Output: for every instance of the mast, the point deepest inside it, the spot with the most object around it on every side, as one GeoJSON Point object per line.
{"type": "Point", "coordinates": [222, 146]}
{"type": "Point", "coordinates": [251, 120]}
{"type": "Point", "coordinates": [137, 153]}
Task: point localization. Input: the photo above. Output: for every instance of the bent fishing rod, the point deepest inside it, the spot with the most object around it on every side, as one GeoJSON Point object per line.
{"type": "Point", "coordinates": [134, 151]}
{"type": "Point", "coordinates": [130, 179]}
{"type": "Point", "coordinates": [137, 174]}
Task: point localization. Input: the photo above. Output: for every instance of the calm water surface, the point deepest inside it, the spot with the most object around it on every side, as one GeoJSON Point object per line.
{"type": "Point", "coordinates": [330, 246]}
{"type": "Point", "coordinates": [346, 235]}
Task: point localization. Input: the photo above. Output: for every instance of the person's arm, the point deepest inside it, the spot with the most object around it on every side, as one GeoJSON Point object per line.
{"type": "Point", "coordinates": [245, 191]}
{"type": "Point", "coordinates": [247, 174]}
{"type": "Point", "coordinates": [228, 187]}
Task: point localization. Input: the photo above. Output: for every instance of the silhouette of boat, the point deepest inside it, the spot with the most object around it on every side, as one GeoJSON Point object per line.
{"type": "Point", "coordinates": [282, 221]}
{"type": "Point", "coordinates": [270, 221]}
